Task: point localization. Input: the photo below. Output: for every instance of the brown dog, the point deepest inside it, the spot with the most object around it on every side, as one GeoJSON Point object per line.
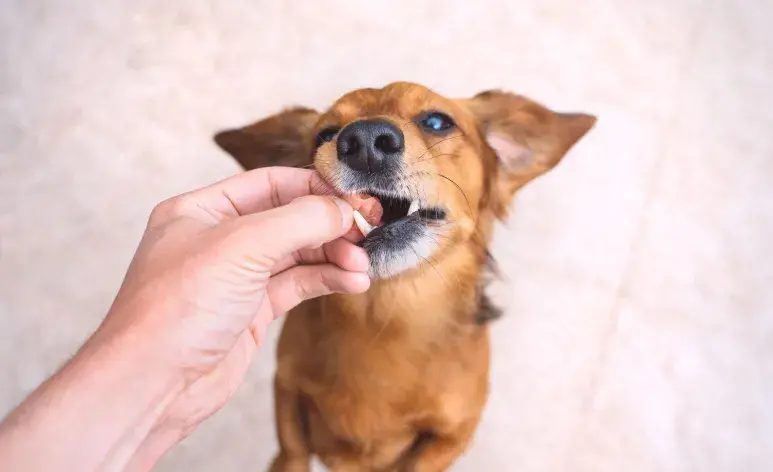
{"type": "Point", "coordinates": [396, 378]}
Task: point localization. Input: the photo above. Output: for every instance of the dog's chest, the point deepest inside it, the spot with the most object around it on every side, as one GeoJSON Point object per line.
{"type": "Point", "coordinates": [373, 391]}
{"type": "Point", "coordinates": [371, 387]}
{"type": "Point", "coordinates": [367, 390]}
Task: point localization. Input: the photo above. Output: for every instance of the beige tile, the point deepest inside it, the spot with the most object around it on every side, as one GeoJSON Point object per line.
{"type": "Point", "coordinates": [614, 51]}
{"type": "Point", "coordinates": [622, 52]}
{"type": "Point", "coordinates": [727, 92]}
{"type": "Point", "coordinates": [705, 244]}
{"type": "Point", "coordinates": [689, 375]}
{"type": "Point", "coordinates": [679, 393]}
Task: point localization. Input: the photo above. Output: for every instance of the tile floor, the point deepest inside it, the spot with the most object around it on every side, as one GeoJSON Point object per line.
{"type": "Point", "coordinates": [639, 327]}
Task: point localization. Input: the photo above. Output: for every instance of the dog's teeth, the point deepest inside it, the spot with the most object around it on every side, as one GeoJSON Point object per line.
{"type": "Point", "coordinates": [414, 207]}
{"type": "Point", "coordinates": [364, 226]}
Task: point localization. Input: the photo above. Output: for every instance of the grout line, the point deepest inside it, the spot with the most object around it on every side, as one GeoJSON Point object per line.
{"type": "Point", "coordinates": [620, 293]}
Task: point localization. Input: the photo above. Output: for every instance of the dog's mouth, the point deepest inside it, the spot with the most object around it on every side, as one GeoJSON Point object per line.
{"type": "Point", "coordinates": [376, 213]}
{"type": "Point", "coordinates": [399, 232]}
{"type": "Point", "coordinates": [401, 223]}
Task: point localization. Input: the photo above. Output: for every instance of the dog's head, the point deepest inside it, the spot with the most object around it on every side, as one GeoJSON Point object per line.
{"type": "Point", "coordinates": [438, 170]}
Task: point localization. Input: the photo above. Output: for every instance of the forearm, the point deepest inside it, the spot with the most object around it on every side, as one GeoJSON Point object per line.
{"type": "Point", "coordinates": [94, 413]}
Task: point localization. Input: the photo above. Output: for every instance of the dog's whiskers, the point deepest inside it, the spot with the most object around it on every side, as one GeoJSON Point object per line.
{"type": "Point", "coordinates": [425, 259]}
{"type": "Point", "coordinates": [421, 161]}
{"type": "Point", "coordinates": [469, 206]}
{"type": "Point", "coordinates": [460, 135]}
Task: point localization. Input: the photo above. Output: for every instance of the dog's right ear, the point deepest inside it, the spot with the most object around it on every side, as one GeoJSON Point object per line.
{"type": "Point", "coordinates": [528, 138]}
{"type": "Point", "coordinates": [280, 140]}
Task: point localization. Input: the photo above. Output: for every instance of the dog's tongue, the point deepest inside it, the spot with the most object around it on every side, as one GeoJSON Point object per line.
{"type": "Point", "coordinates": [369, 207]}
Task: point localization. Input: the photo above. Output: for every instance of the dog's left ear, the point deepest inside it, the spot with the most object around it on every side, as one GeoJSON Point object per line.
{"type": "Point", "coordinates": [528, 138]}
{"type": "Point", "coordinates": [283, 139]}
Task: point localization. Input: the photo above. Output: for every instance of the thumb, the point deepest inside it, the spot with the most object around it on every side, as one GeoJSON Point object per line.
{"type": "Point", "coordinates": [308, 221]}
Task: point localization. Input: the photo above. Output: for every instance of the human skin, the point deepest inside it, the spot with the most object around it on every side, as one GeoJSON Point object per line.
{"type": "Point", "coordinates": [213, 269]}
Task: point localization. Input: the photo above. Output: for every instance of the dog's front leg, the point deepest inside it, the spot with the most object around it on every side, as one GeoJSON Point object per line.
{"type": "Point", "coordinates": [294, 455]}
{"type": "Point", "coordinates": [437, 453]}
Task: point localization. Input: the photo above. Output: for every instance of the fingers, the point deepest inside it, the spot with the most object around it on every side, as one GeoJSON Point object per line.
{"type": "Point", "coordinates": [260, 190]}
{"type": "Point", "coordinates": [340, 252]}
{"type": "Point", "coordinates": [243, 194]}
{"type": "Point", "coordinates": [346, 255]}
{"type": "Point", "coordinates": [354, 235]}
{"type": "Point", "coordinates": [305, 223]}
{"type": "Point", "coordinates": [288, 289]}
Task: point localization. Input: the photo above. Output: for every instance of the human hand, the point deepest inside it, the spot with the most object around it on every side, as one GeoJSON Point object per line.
{"type": "Point", "coordinates": [214, 268]}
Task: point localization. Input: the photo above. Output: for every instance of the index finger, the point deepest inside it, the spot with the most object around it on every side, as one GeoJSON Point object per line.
{"type": "Point", "coordinates": [260, 190]}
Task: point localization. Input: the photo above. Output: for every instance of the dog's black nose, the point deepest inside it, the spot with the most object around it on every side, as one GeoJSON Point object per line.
{"type": "Point", "coordinates": [370, 145]}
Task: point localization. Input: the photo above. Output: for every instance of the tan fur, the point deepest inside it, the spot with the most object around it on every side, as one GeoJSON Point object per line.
{"type": "Point", "coordinates": [396, 378]}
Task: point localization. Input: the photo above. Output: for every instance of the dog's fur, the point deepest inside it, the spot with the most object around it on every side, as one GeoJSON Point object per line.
{"type": "Point", "coordinates": [397, 378]}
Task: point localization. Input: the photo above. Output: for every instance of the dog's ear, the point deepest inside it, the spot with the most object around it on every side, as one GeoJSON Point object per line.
{"type": "Point", "coordinates": [528, 138]}
{"type": "Point", "coordinates": [279, 140]}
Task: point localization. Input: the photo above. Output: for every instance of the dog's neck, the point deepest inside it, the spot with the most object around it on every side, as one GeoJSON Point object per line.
{"type": "Point", "coordinates": [442, 294]}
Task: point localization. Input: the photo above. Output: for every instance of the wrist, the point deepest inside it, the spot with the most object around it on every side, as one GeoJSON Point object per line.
{"type": "Point", "coordinates": [94, 413]}
{"type": "Point", "coordinates": [143, 385]}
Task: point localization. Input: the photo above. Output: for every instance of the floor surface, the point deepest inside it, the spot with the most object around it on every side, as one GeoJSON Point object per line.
{"type": "Point", "coordinates": [639, 325]}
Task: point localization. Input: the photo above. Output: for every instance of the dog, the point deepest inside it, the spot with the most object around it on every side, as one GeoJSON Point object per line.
{"type": "Point", "coordinates": [396, 379]}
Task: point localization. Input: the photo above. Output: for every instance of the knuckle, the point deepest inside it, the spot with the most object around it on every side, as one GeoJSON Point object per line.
{"type": "Point", "coordinates": [170, 209]}
{"type": "Point", "coordinates": [302, 288]}
{"type": "Point", "coordinates": [311, 284]}
{"type": "Point", "coordinates": [162, 212]}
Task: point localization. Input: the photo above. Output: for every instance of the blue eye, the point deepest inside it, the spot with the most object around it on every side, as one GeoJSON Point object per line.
{"type": "Point", "coordinates": [436, 122]}
{"type": "Point", "coordinates": [325, 136]}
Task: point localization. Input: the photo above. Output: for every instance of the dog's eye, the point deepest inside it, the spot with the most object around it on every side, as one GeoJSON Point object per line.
{"type": "Point", "coordinates": [325, 136]}
{"type": "Point", "coordinates": [436, 122]}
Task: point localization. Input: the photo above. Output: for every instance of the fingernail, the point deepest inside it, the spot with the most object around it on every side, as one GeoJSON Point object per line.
{"type": "Point", "coordinates": [345, 208]}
